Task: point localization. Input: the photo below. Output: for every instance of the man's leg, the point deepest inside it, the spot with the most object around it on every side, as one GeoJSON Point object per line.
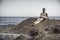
{"type": "Point", "coordinates": [38, 21]}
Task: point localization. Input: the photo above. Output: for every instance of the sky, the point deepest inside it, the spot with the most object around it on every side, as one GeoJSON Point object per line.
{"type": "Point", "coordinates": [29, 7]}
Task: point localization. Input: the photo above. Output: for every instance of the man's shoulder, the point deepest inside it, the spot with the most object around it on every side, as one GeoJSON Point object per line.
{"type": "Point", "coordinates": [46, 13]}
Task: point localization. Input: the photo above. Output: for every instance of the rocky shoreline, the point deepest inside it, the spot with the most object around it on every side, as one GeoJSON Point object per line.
{"type": "Point", "coordinates": [48, 29]}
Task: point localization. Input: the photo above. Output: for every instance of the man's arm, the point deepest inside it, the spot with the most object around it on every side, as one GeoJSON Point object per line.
{"type": "Point", "coordinates": [46, 14]}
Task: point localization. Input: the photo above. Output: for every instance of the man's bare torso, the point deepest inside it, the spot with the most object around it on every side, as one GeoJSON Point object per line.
{"type": "Point", "coordinates": [44, 15]}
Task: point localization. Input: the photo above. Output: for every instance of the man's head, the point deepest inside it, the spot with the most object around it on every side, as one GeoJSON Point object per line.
{"type": "Point", "coordinates": [43, 10]}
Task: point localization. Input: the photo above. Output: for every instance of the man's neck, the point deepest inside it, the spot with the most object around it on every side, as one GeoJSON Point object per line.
{"type": "Point", "coordinates": [43, 11]}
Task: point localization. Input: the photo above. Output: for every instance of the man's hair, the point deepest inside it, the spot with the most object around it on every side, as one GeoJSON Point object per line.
{"type": "Point", "coordinates": [43, 8]}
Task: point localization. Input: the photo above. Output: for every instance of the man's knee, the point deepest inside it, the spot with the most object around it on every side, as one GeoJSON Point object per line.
{"type": "Point", "coordinates": [42, 19]}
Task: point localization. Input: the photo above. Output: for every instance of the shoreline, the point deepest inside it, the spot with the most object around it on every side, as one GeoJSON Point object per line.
{"type": "Point", "coordinates": [24, 27]}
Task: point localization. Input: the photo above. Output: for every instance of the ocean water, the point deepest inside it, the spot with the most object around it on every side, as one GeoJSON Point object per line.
{"type": "Point", "coordinates": [16, 20]}
{"type": "Point", "coordinates": [11, 20]}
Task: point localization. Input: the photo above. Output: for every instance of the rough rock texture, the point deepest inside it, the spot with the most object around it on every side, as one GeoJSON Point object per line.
{"type": "Point", "coordinates": [21, 38]}
{"type": "Point", "coordinates": [48, 29]}
{"type": "Point", "coordinates": [45, 29]}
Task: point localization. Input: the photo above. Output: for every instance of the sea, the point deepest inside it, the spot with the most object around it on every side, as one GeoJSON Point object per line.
{"type": "Point", "coordinates": [17, 20]}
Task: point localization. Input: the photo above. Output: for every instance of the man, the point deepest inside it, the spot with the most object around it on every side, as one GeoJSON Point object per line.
{"type": "Point", "coordinates": [43, 16]}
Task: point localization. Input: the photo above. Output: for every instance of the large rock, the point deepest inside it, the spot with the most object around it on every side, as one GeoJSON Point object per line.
{"type": "Point", "coordinates": [45, 30]}
{"type": "Point", "coordinates": [21, 38]}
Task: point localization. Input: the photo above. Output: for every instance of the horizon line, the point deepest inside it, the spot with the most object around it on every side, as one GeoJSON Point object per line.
{"type": "Point", "coordinates": [27, 16]}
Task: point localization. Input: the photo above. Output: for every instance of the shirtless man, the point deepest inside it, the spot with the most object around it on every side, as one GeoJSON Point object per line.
{"type": "Point", "coordinates": [43, 16]}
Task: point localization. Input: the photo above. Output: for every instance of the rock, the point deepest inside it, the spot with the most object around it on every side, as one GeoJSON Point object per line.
{"type": "Point", "coordinates": [2, 39]}
{"type": "Point", "coordinates": [45, 30]}
{"type": "Point", "coordinates": [56, 30]}
{"type": "Point", "coordinates": [21, 38]}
